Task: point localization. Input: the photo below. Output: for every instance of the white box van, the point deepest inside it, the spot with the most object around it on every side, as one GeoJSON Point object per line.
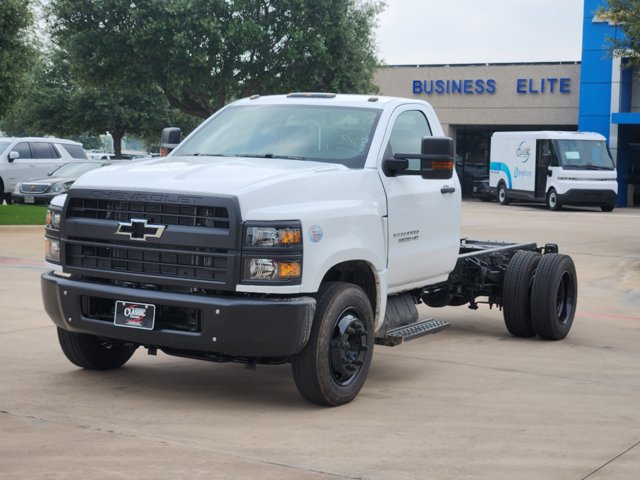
{"type": "Point", "coordinates": [33, 157]}
{"type": "Point", "coordinates": [558, 168]}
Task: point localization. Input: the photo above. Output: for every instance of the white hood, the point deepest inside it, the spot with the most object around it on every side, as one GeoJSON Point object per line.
{"type": "Point", "coordinates": [202, 175]}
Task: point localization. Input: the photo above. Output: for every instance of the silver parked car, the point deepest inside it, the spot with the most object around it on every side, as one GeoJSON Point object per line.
{"type": "Point", "coordinates": [42, 190]}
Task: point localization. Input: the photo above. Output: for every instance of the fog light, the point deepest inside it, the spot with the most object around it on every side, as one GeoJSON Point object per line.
{"type": "Point", "coordinates": [52, 249]}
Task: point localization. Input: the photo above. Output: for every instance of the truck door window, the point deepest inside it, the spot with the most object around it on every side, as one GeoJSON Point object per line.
{"type": "Point", "coordinates": [406, 135]}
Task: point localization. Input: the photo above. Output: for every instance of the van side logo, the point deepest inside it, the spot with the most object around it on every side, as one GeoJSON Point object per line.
{"type": "Point", "coordinates": [139, 229]}
{"type": "Point", "coordinates": [523, 152]}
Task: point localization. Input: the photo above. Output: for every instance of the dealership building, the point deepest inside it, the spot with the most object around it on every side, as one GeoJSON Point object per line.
{"type": "Point", "coordinates": [472, 101]}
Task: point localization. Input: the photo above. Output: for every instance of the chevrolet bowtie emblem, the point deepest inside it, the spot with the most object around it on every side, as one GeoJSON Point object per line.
{"type": "Point", "coordinates": [139, 229]}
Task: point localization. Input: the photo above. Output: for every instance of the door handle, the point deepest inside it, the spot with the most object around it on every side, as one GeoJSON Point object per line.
{"type": "Point", "coordinates": [447, 189]}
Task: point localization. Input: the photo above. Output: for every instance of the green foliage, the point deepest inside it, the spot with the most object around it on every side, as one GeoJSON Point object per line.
{"type": "Point", "coordinates": [22, 214]}
{"type": "Point", "coordinates": [625, 14]}
{"type": "Point", "coordinates": [203, 53]}
{"type": "Point", "coordinates": [16, 50]}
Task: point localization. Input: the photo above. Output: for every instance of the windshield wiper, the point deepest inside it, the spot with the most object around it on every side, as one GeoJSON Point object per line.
{"type": "Point", "coordinates": [268, 155]}
{"type": "Point", "coordinates": [200, 154]}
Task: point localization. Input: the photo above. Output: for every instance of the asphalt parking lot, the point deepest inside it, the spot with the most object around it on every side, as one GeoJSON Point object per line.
{"type": "Point", "coordinates": [471, 402]}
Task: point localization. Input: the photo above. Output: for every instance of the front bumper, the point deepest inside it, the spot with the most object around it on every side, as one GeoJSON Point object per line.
{"type": "Point", "coordinates": [226, 326]}
{"type": "Point", "coordinates": [594, 198]}
{"type": "Point", "coordinates": [33, 199]}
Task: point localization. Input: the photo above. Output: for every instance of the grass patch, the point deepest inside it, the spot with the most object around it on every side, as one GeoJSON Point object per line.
{"type": "Point", "coordinates": [22, 214]}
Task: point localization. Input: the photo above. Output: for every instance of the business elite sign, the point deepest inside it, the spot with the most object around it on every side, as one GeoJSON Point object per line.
{"type": "Point", "coordinates": [481, 86]}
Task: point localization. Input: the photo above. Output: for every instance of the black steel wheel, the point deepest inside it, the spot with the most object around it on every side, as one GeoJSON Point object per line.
{"type": "Point", "coordinates": [552, 200]}
{"type": "Point", "coordinates": [516, 293]}
{"type": "Point", "coordinates": [554, 296]}
{"type": "Point", "coordinates": [94, 353]}
{"type": "Point", "coordinates": [333, 366]}
{"type": "Point", "coordinates": [503, 198]}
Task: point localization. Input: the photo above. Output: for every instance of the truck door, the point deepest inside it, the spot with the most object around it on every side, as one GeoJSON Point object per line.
{"type": "Point", "coordinates": [423, 214]}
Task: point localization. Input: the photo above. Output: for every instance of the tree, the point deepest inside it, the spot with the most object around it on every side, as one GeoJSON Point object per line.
{"type": "Point", "coordinates": [57, 104]}
{"type": "Point", "coordinates": [16, 50]}
{"type": "Point", "coordinates": [625, 14]}
{"type": "Point", "coordinates": [204, 53]}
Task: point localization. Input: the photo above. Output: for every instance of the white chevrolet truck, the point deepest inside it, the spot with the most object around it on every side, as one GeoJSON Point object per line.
{"type": "Point", "coordinates": [296, 229]}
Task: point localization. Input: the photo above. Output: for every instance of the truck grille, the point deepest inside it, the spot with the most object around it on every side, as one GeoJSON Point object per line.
{"type": "Point", "coordinates": [198, 248]}
{"type": "Point", "coordinates": [180, 262]}
{"type": "Point", "coordinates": [164, 213]}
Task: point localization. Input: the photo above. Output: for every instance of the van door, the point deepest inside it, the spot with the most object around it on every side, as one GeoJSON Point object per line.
{"type": "Point", "coordinates": [544, 159]}
{"type": "Point", "coordinates": [423, 214]}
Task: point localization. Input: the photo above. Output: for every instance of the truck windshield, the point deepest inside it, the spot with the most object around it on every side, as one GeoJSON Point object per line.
{"type": "Point", "coordinates": [584, 155]}
{"type": "Point", "coordinates": [299, 132]}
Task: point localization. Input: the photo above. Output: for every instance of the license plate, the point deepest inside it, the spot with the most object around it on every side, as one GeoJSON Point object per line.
{"type": "Point", "coordinates": [135, 315]}
{"type": "Point", "coordinates": [29, 199]}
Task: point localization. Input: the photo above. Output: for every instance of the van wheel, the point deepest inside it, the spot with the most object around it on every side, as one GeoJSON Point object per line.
{"type": "Point", "coordinates": [552, 200]}
{"type": "Point", "coordinates": [333, 366]}
{"type": "Point", "coordinates": [94, 353]}
{"type": "Point", "coordinates": [554, 296]}
{"type": "Point", "coordinates": [503, 199]}
{"type": "Point", "coordinates": [516, 297]}
{"type": "Point", "coordinates": [607, 208]}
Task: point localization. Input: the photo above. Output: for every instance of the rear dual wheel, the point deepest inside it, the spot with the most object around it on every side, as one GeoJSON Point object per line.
{"type": "Point", "coordinates": [540, 295]}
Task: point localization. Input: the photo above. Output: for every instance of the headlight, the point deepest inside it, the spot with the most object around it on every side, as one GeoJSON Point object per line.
{"type": "Point", "coordinates": [52, 250]}
{"type": "Point", "coordinates": [272, 252]}
{"type": "Point", "coordinates": [17, 188]}
{"type": "Point", "coordinates": [262, 236]}
{"type": "Point", "coordinates": [53, 219]}
{"type": "Point", "coordinates": [57, 188]}
{"type": "Point", "coordinates": [272, 269]}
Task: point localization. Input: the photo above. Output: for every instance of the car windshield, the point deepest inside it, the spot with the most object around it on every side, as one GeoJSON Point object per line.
{"type": "Point", "coordinates": [3, 146]}
{"type": "Point", "coordinates": [584, 155]}
{"type": "Point", "coordinates": [75, 169]}
{"type": "Point", "coordinates": [299, 132]}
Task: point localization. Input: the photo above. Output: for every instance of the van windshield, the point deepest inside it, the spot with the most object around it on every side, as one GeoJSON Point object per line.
{"type": "Point", "coordinates": [584, 155]}
{"type": "Point", "coordinates": [296, 132]}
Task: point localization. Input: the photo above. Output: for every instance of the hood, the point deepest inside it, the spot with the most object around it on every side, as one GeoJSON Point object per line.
{"type": "Point", "coordinates": [48, 181]}
{"type": "Point", "coordinates": [202, 175]}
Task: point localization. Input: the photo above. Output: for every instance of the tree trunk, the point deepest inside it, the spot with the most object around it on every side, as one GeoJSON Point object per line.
{"type": "Point", "coordinates": [116, 135]}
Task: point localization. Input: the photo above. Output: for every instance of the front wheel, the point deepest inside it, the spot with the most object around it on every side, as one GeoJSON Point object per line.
{"type": "Point", "coordinates": [552, 200]}
{"type": "Point", "coordinates": [503, 199]}
{"type": "Point", "coordinates": [333, 366]}
{"type": "Point", "coordinates": [607, 207]}
{"type": "Point", "coordinates": [94, 353]}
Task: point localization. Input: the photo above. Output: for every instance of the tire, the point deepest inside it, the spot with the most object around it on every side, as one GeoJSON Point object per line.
{"type": "Point", "coordinates": [516, 293]}
{"type": "Point", "coordinates": [333, 366]}
{"type": "Point", "coordinates": [553, 203]}
{"type": "Point", "coordinates": [503, 198]}
{"type": "Point", "coordinates": [607, 208]}
{"type": "Point", "coordinates": [94, 353]}
{"type": "Point", "coordinates": [554, 296]}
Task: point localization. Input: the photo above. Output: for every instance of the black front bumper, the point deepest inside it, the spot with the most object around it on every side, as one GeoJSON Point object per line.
{"type": "Point", "coordinates": [594, 198]}
{"type": "Point", "coordinates": [226, 326]}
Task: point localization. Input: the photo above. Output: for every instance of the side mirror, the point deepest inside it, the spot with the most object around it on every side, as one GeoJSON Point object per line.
{"type": "Point", "coordinates": [434, 161]}
{"type": "Point", "coordinates": [13, 155]}
{"type": "Point", "coordinates": [170, 140]}
{"type": "Point", "coordinates": [437, 158]}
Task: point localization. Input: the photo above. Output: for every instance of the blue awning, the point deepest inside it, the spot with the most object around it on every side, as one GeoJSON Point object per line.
{"type": "Point", "coordinates": [626, 118]}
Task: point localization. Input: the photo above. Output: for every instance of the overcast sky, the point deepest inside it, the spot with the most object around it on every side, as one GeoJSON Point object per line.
{"type": "Point", "coordinates": [473, 31]}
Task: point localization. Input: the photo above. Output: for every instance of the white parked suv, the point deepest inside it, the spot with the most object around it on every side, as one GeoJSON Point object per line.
{"type": "Point", "coordinates": [33, 157]}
